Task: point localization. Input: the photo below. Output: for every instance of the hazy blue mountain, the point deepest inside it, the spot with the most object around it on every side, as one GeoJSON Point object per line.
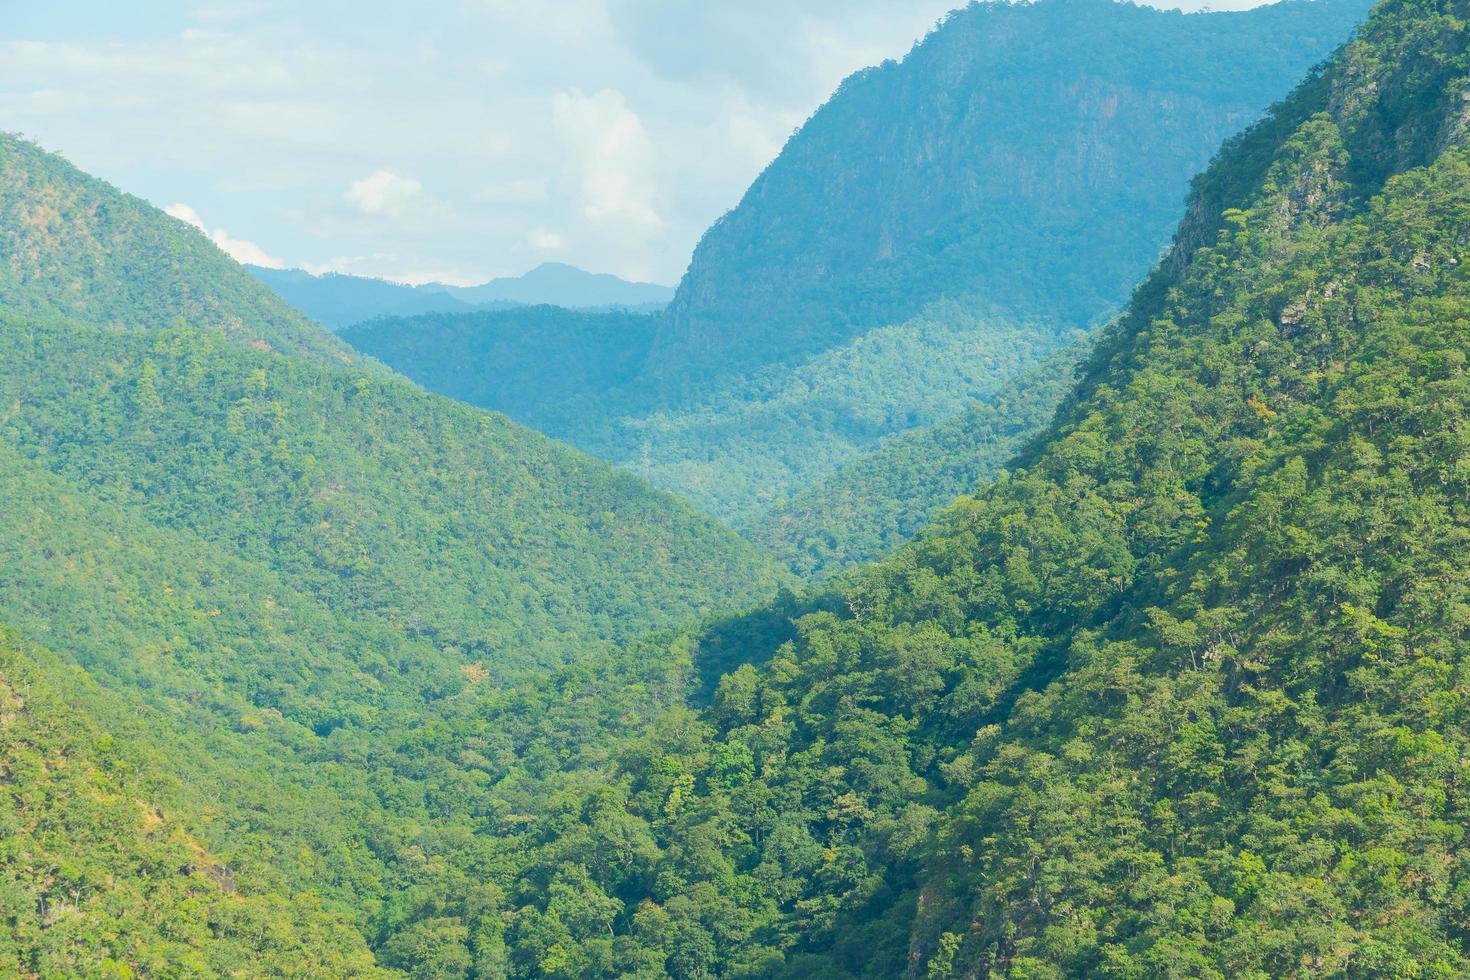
{"type": "Point", "coordinates": [934, 231]}
{"type": "Point", "coordinates": [524, 361]}
{"type": "Point", "coordinates": [559, 284]}
{"type": "Point", "coordinates": [339, 300]}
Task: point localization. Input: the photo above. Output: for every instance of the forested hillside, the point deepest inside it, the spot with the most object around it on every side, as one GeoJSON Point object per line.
{"type": "Point", "coordinates": [934, 231]}
{"type": "Point", "coordinates": [1184, 694]}
{"type": "Point", "coordinates": [527, 362]}
{"type": "Point", "coordinates": [871, 506]}
{"type": "Point", "coordinates": [306, 672]}
{"type": "Point", "coordinates": [75, 247]}
{"type": "Point", "coordinates": [320, 591]}
{"type": "Point", "coordinates": [99, 875]}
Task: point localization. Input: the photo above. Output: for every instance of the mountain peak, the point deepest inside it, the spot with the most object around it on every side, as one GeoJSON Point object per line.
{"type": "Point", "coordinates": [342, 300]}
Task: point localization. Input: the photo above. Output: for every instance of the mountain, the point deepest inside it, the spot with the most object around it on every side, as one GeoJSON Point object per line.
{"type": "Point", "coordinates": [559, 284]}
{"type": "Point", "coordinates": [527, 361]}
{"type": "Point", "coordinates": [339, 301]}
{"type": "Point", "coordinates": [934, 231]}
{"type": "Point", "coordinates": [1183, 694]}
{"type": "Point", "coordinates": [327, 611]}
{"type": "Point", "coordinates": [90, 860]}
{"type": "Point", "coordinates": [878, 502]}
{"type": "Point", "coordinates": [75, 247]}
{"type": "Point", "coordinates": [336, 300]}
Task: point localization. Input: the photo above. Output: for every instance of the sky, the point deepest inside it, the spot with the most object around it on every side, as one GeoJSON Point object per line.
{"type": "Point", "coordinates": [441, 140]}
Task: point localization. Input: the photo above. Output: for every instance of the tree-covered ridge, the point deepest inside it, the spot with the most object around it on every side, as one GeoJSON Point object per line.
{"type": "Point", "coordinates": [1185, 695]}
{"type": "Point", "coordinates": [98, 877]}
{"type": "Point", "coordinates": [526, 363]}
{"type": "Point", "coordinates": [309, 750]}
{"type": "Point", "coordinates": [549, 368]}
{"type": "Point", "coordinates": [362, 490]}
{"type": "Point", "coordinates": [338, 605]}
{"type": "Point", "coordinates": [75, 247]}
{"type": "Point", "coordinates": [880, 501]}
{"type": "Point", "coordinates": [928, 235]}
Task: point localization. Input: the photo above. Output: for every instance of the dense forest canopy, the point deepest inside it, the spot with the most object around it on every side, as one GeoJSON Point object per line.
{"type": "Point", "coordinates": [1182, 695]}
{"type": "Point", "coordinates": [297, 572]}
{"type": "Point", "coordinates": [75, 248]}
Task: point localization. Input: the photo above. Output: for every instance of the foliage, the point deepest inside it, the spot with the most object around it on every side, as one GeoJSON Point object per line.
{"type": "Point", "coordinates": [95, 874]}
{"type": "Point", "coordinates": [1184, 695]}
{"type": "Point", "coordinates": [930, 234]}
{"type": "Point", "coordinates": [77, 248]}
{"type": "Point", "coordinates": [345, 611]}
{"type": "Point", "coordinates": [876, 503]}
{"type": "Point", "coordinates": [525, 363]}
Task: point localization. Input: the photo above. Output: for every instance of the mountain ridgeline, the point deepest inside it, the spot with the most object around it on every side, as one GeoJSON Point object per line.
{"type": "Point", "coordinates": [941, 226]}
{"type": "Point", "coordinates": [339, 300]}
{"type": "Point", "coordinates": [75, 248]}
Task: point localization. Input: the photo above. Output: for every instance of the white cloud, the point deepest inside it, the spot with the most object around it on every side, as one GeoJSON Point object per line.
{"type": "Point", "coordinates": [613, 156]}
{"type": "Point", "coordinates": [388, 194]}
{"type": "Point", "coordinates": [246, 253]}
{"type": "Point", "coordinates": [545, 241]}
{"type": "Point", "coordinates": [328, 139]}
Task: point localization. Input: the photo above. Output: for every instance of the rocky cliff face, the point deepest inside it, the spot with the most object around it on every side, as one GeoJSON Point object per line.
{"type": "Point", "coordinates": [1033, 154]}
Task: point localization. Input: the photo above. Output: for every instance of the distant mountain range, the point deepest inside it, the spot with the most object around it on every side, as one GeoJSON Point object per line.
{"type": "Point", "coordinates": [339, 300]}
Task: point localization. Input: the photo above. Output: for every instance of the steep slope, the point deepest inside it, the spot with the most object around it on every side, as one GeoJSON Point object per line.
{"type": "Point", "coordinates": [930, 233]}
{"type": "Point", "coordinates": [881, 500]}
{"type": "Point", "coordinates": [339, 301]}
{"type": "Point", "coordinates": [380, 499]}
{"type": "Point", "coordinates": [322, 591]}
{"type": "Point", "coordinates": [1185, 694]}
{"type": "Point", "coordinates": [99, 876]}
{"type": "Point", "coordinates": [937, 176]}
{"type": "Point", "coordinates": [75, 247]}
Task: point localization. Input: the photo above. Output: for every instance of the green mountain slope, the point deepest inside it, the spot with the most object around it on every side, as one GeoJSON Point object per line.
{"type": "Point", "coordinates": [339, 606]}
{"type": "Point", "coordinates": [878, 502]}
{"type": "Point", "coordinates": [929, 234]}
{"type": "Point", "coordinates": [1183, 695]}
{"type": "Point", "coordinates": [99, 877]}
{"type": "Point", "coordinates": [525, 363]}
{"type": "Point", "coordinates": [75, 247]}
{"type": "Point", "coordinates": [458, 525]}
